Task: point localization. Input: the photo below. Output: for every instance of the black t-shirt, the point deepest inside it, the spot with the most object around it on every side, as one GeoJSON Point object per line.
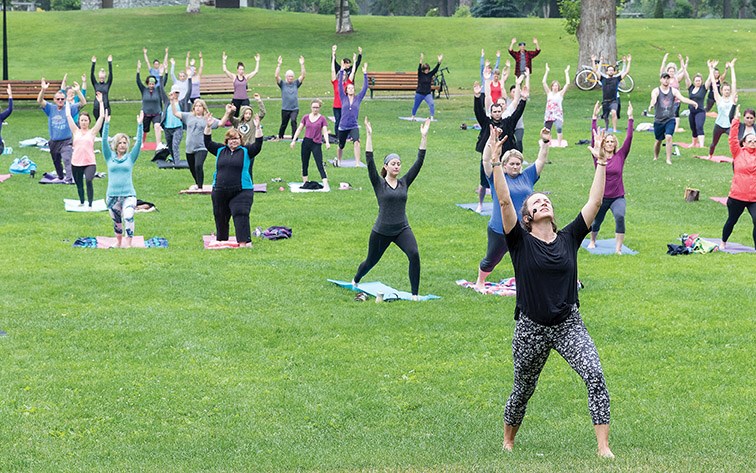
{"type": "Point", "coordinates": [610, 86]}
{"type": "Point", "coordinates": [546, 273]}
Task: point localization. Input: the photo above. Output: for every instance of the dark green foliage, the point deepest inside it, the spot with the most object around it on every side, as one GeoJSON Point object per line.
{"type": "Point", "coordinates": [495, 9]}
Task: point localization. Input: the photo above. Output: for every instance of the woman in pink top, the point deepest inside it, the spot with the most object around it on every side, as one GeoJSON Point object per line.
{"type": "Point", "coordinates": [743, 189]}
{"type": "Point", "coordinates": [241, 97]}
{"type": "Point", "coordinates": [316, 132]}
{"type": "Point", "coordinates": [83, 164]}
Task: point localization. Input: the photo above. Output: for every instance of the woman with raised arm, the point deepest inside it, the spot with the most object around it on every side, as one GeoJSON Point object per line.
{"type": "Point", "coordinates": [83, 163]}
{"type": "Point", "coordinates": [743, 189]}
{"type": "Point", "coordinates": [196, 152]}
{"type": "Point", "coordinates": [244, 122]}
{"type": "Point", "coordinates": [315, 126]}
{"type": "Point", "coordinates": [697, 117]}
{"type": "Point", "coordinates": [350, 111]}
{"type": "Point", "coordinates": [392, 226]}
{"type": "Point", "coordinates": [240, 79]}
{"type": "Point", "coordinates": [5, 114]}
{"type": "Point", "coordinates": [101, 84]}
{"type": "Point", "coordinates": [121, 195]}
{"type": "Point", "coordinates": [423, 93]}
{"type": "Point", "coordinates": [289, 95]}
{"type": "Point", "coordinates": [520, 183]}
{"type": "Point", "coordinates": [195, 74]}
{"type": "Point", "coordinates": [152, 104]}
{"type": "Point", "coordinates": [183, 84]}
{"type": "Point", "coordinates": [614, 190]}
{"type": "Point", "coordinates": [554, 96]}
{"type": "Point", "coordinates": [233, 188]}
{"type": "Point", "coordinates": [725, 101]}
{"type": "Point", "coordinates": [546, 311]}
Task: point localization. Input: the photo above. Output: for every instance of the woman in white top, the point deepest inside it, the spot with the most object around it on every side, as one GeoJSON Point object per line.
{"type": "Point", "coordinates": [554, 96]}
{"type": "Point", "coordinates": [724, 102]}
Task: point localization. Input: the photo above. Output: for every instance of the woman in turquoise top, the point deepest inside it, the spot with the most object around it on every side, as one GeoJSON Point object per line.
{"type": "Point", "coordinates": [121, 194]}
{"type": "Point", "coordinates": [725, 101]}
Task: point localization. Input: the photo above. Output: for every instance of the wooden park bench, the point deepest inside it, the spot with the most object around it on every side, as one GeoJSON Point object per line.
{"type": "Point", "coordinates": [27, 89]}
{"type": "Point", "coordinates": [393, 81]}
{"type": "Point", "coordinates": [216, 84]}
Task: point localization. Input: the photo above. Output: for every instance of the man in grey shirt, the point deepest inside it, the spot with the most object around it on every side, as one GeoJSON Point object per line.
{"type": "Point", "coordinates": [289, 96]}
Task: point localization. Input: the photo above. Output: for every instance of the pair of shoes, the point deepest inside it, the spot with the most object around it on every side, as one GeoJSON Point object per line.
{"type": "Point", "coordinates": [193, 187]}
{"type": "Point", "coordinates": [361, 297]}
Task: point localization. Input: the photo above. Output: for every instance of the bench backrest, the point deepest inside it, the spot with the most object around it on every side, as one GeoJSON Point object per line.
{"type": "Point", "coordinates": [27, 89]}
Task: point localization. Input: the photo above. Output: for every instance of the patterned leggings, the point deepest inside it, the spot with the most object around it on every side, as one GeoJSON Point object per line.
{"type": "Point", "coordinates": [122, 209]}
{"type": "Point", "coordinates": [531, 345]}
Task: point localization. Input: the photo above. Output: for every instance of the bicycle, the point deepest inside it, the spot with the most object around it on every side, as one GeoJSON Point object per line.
{"type": "Point", "coordinates": [587, 79]}
{"type": "Point", "coordinates": [439, 80]}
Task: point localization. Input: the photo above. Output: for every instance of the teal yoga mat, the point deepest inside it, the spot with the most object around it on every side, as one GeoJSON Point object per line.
{"type": "Point", "coordinates": [606, 247]}
{"type": "Point", "coordinates": [389, 293]}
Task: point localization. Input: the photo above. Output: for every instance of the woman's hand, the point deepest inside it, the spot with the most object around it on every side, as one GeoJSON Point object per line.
{"type": "Point", "coordinates": [364, 68]}
{"type": "Point", "coordinates": [596, 109]}
{"type": "Point", "coordinates": [368, 127]}
{"type": "Point", "coordinates": [140, 117]}
{"type": "Point", "coordinates": [545, 135]}
{"type": "Point", "coordinates": [598, 140]}
{"type": "Point", "coordinates": [629, 110]}
{"type": "Point", "coordinates": [424, 127]}
{"type": "Point", "coordinates": [209, 120]}
{"type": "Point", "coordinates": [98, 96]}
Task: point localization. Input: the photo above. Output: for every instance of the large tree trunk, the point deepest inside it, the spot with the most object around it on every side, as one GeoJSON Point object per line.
{"type": "Point", "coordinates": [193, 6]}
{"type": "Point", "coordinates": [726, 9]}
{"type": "Point", "coordinates": [597, 31]}
{"type": "Point", "coordinates": [343, 22]}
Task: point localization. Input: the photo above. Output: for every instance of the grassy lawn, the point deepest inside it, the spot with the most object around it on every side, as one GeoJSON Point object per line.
{"type": "Point", "coordinates": [182, 359]}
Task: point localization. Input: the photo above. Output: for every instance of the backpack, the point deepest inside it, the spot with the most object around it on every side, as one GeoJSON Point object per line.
{"type": "Point", "coordinates": [277, 233]}
{"type": "Point", "coordinates": [23, 165]}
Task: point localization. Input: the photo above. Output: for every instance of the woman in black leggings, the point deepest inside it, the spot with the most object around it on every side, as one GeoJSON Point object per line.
{"type": "Point", "coordinates": [546, 311]}
{"type": "Point", "coordinates": [392, 226]}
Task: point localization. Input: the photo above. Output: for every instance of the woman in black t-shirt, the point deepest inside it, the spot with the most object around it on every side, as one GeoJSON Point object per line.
{"type": "Point", "coordinates": [545, 265]}
{"type": "Point", "coordinates": [424, 82]}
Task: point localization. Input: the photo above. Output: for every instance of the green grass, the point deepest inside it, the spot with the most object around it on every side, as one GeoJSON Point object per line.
{"type": "Point", "coordinates": [190, 360]}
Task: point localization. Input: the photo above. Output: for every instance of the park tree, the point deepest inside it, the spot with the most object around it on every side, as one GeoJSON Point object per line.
{"type": "Point", "coordinates": [343, 21]}
{"type": "Point", "coordinates": [594, 22]}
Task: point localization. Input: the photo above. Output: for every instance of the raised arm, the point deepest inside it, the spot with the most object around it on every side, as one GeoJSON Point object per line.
{"type": "Point", "coordinates": [625, 149]}
{"type": "Point", "coordinates": [505, 71]}
{"type": "Point", "coordinates": [663, 66]}
{"type": "Point", "coordinates": [173, 71]}
{"type": "Point", "coordinates": [41, 96]}
{"type": "Point", "coordinates": [626, 70]}
{"type": "Point", "coordinates": [333, 63]}
{"type": "Point", "coordinates": [260, 106]}
{"type": "Point", "coordinates": [69, 118]}
{"type": "Point", "coordinates": [375, 178]}
{"type": "Point", "coordinates": [139, 77]}
{"type": "Point", "coordinates": [734, 140]}
{"type": "Point", "coordinates": [198, 72]}
{"type": "Point", "coordinates": [733, 82]}
{"type": "Point", "coordinates": [138, 141]}
{"type": "Point", "coordinates": [409, 178]}
{"type": "Point", "coordinates": [278, 70]}
{"type": "Point", "coordinates": [92, 77]}
{"type": "Point", "coordinates": [712, 65]}
{"type": "Point", "coordinates": [482, 65]}
{"type": "Point", "coordinates": [7, 112]}
{"type": "Point", "coordinates": [364, 89]}
{"type": "Point", "coordinates": [110, 71]}
{"type": "Point", "coordinates": [146, 58]}
{"type": "Point", "coordinates": [566, 80]}
{"type": "Point", "coordinates": [543, 151]}
{"type": "Point", "coordinates": [301, 69]}
{"type": "Point", "coordinates": [101, 118]}
{"type": "Point", "coordinates": [211, 145]}
{"type": "Point", "coordinates": [257, 67]}
{"type": "Point", "coordinates": [478, 107]}
{"type": "Point", "coordinates": [225, 69]}
{"type": "Point", "coordinates": [492, 152]}
{"type": "Point", "coordinates": [106, 151]}
{"type": "Point", "coordinates": [545, 79]}
{"type": "Point", "coordinates": [164, 64]}
{"type": "Point", "coordinates": [688, 82]}
{"type": "Point", "coordinates": [591, 208]}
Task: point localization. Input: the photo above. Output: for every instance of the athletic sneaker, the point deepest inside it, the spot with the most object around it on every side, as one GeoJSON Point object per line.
{"type": "Point", "coordinates": [193, 187]}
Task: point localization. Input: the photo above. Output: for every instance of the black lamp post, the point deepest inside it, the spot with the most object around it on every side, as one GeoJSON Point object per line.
{"type": "Point", "coordinates": [5, 45]}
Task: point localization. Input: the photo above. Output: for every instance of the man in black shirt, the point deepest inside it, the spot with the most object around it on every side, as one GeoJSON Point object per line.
{"type": "Point", "coordinates": [610, 91]}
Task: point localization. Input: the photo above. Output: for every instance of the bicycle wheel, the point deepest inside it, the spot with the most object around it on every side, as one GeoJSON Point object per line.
{"type": "Point", "coordinates": [627, 84]}
{"type": "Point", "coordinates": [585, 79]}
{"type": "Point", "coordinates": [445, 88]}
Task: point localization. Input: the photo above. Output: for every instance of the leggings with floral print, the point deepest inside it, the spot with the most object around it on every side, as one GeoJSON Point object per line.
{"type": "Point", "coordinates": [531, 345]}
{"type": "Point", "coordinates": [122, 209]}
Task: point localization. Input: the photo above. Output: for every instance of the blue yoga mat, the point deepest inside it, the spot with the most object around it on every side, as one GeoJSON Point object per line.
{"type": "Point", "coordinates": [372, 288]}
{"type": "Point", "coordinates": [606, 247]}
{"type": "Point", "coordinates": [487, 208]}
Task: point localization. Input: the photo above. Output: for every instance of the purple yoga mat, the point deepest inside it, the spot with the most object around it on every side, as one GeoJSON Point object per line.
{"type": "Point", "coordinates": [732, 248]}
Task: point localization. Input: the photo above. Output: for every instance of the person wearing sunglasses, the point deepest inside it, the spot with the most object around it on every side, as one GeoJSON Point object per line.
{"type": "Point", "coordinates": [60, 144]}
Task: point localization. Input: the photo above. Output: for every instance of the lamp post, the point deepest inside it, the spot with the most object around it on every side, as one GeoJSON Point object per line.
{"type": "Point", "coordinates": [5, 45]}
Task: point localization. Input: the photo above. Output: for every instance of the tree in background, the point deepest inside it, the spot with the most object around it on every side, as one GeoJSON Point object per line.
{"type": "Point", "coordinates": [594, 22]}
{"type": "Point", "coordinates": [343, 21]}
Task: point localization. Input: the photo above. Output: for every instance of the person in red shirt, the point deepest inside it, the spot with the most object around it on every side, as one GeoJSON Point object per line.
{"type": "Point", "coordinates": [743, 189]}
{"type": "Point", "coordinates": [523, 58]}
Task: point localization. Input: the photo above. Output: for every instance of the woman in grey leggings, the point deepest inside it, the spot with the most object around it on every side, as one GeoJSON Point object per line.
{"type": "Point", "coordinates": [545, 265]}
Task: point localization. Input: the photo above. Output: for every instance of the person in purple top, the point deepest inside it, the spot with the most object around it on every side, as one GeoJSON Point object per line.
{"type": "Point", "coordinates": [6, 113]}
{"type": "Point", "coordinates": [241, 96]}
{"type": "Point", "coordinates": [614, 190]}
{"type": "Point", "coordinates": [392, 226]}
{"type": "Point", "coordinates": [350, 110]}
{"type": "Point", "coordinates": [315, 126]}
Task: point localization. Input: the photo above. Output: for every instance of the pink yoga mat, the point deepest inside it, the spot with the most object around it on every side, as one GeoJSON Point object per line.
{"type": "Point", "coordinates": [4, 177]}
{"type": "Point", "coordinates": [208, 240]}
{"type": "Point", "coordinates": [109, 242]}
{"type": "Point", "coordinates": [716, 159]}
{"type": "Point", "coordinates": [721, 200]}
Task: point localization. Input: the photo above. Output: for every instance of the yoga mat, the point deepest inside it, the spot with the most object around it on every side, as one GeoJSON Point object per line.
{"type": "Point", "coordinates": [684, 145]}
{"type": "Point", "coordinates": [296, 187]}
{"type": "Point", "coordinates": [721, 200]}
{"type": "Point", "coordinates": [170, 165]}
{"type": "Point", "coordinates": [50, 178]}
{"type": "Point", "coordinates": [389, 293]}
{"type": "Point", "coordinates": [72, 205]}
{"type": "Point", "coordinates": [715, 159]}
{"type": "Point", "coordinates": [4, 177]}
{"type": "Point", "coordinates": [732, 248]}
{"type": "Point", "coordinates": [556, 144]}
{"type": "Point", "coordinates": [606, 247]}
{"type": "Point", "coordinates": [207, 189]}
{"type": "Point", "coordinates": [416, 119]}
{"type": "Point", "coordinates": [347, 163]}
{"type": "Point", "coordinates": [108, 242]}
{"type": "Point", "coordinates": [505, 287]}
{"type": "Point", "coordinates": [161, 155]}
{"type": "Point", "coordinates": [208, 241]}
{"type": "Point", "coordinates": [487, 208]}
{"type": "Point", "coordinates": [148, 146]}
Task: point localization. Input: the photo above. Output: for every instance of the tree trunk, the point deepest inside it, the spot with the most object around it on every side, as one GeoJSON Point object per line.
{"type": "Point", "coordinates": [343, 22]}
{"type": "Point", "coordinates": [193, 6]}
{"type": "Point", "coordinates": [467, 3]}
{"type": "Point", "coordinates": [597, 31]}
{"type": "Point", "coordinates": [726, 9]}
